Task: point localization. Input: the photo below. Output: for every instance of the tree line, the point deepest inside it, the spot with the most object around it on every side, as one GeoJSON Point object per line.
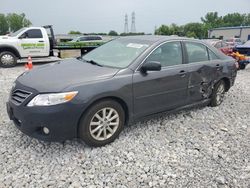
{"type": "Point", "coordinates": [209, 21]}
{"type": "Point", "coordinates": [12, 22]}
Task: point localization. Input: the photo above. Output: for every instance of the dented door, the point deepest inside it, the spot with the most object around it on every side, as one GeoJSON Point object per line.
{"type": "Point", "coordinates": [201, 80]}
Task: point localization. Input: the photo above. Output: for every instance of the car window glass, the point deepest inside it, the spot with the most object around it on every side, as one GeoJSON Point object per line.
{"type": "Point", "coordinates": [167, 54]}
{"type": "Point", "coordinates": [217, 45]}
{"type": "Point", "coordinates": [196, 52]}
{"type": "Point", "coordinates": [224, 44]}
{"type": "Point", "coordinates": [34, 33]}
{"type": "Point", "coordinates": [212, 55]}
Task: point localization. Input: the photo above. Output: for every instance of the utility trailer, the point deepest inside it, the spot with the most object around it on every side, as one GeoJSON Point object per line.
{"type": "Point", "coordinates": [39, 43]}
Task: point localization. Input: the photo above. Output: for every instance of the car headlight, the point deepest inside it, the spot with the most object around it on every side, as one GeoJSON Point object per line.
{"type": "Point", "coordinates": [52, 98]}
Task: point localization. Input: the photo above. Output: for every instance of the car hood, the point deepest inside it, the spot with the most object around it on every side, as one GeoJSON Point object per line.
{"type": "Point", "coordinates": [57, 76]}
{"type": "Point", "coordinates": [5, 37]}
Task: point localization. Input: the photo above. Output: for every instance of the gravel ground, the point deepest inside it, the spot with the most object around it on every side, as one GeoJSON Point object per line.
{"type": "Point", "coordinates": [205, 147]}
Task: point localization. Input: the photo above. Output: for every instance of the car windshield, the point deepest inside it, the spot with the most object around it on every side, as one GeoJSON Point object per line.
{"type": "Point", "coordinates": [117, 53]}
{"type": "Point", "coordinates": [17, 32]}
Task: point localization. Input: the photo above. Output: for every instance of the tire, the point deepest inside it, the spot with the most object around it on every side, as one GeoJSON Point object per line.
{"type": "Point", "coordinates": [94, 115]}
{"type": "Point", "coordinates": [7, 59]}
{"type": "Point", "coordinates": [218, 93]}
{"type": "Point", "coordinates": [242, 66]}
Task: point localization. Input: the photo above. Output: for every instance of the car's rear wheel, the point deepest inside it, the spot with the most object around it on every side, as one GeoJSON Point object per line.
{"type": "Point", "coordinates": [218, 93]}
{"type": "Point", "coordinates": [102, 123]}
{"type": "Point", "coordinates": [7, 59]}
{"type": "Point", "coordinates": [242, 66]}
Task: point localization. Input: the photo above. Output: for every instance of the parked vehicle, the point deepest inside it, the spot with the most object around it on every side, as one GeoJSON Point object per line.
{"type": "Point", "coordinates": [233, 42]}
{"type": "Point", "coordinates": [94, 96]}
{"type": "Point", "coordinates": [244, 48]}
{"type": "Point", "coordinates": [242, 60]}
{"type": "Point", "coordinates": [87, 38]}
{"type": "Point", "coordinates": [221, 45]}
{"type": "Point", "coordinates": [37, 42]}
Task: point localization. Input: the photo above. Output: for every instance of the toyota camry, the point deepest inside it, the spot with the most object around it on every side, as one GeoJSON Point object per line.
{"type": "Point", "coordinates": [92, 97]}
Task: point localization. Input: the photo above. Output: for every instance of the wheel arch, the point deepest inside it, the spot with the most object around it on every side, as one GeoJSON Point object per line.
{"type": "Point", "coordinates": [115, 98]}
{"type": "Point", "coordinates": [227, 82]}
{"type": "Point", "coordinates": [10, 49]}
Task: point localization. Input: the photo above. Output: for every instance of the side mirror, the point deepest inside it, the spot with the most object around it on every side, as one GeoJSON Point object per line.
{"type": "Point", "coordinates": [24, 35]}
{"type": "Point", "coordinates": [151, 66]}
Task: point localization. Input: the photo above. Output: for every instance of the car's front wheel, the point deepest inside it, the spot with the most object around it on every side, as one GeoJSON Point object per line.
{"type": "Point", "coordinates": [218, 93]}
{"type": "Point", "coordinates": [102, 123]}
{"type": "Point", "coordinates": [7, 59]}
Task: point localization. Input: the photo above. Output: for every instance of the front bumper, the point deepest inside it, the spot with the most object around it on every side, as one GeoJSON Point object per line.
{"type": "Point", "coordinates": [61, 120]}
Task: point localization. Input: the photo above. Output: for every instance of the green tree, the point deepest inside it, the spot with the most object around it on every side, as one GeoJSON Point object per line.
{"type": "Point", "coordinates": [212, 20]}
{"type": "Point", "coordinates": [113, 33]}
{"type": "Point", "coordinates": [4, 27]}
{"type": "Point", "coordinates": [195, 30]}
{"type": "Point", "coordinates": [17, 21]}
{"type": "Point", "coordinates": [75, 33]}
{"type": "Point", "coordinates": [163, 30]}
{"type": "Point", "coordinates": [234, 19]}
{"type": "Point", "coordinates": [246, 19]}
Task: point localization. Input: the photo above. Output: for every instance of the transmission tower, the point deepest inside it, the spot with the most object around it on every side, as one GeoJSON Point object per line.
{"type": "Point", "coordinates": [133, 29]}
{"type": "Point", "coordinates": [126, 24]}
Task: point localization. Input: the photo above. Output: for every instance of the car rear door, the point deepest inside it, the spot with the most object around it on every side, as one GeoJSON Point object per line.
{"type": "Point", "coordinates": [162, 90]}
{"type": "Point", "coordinates": [204, 68]}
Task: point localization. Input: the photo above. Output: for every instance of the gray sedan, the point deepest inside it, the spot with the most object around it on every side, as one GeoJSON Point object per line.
{"type": "Point", "coordinates": [94, 96]}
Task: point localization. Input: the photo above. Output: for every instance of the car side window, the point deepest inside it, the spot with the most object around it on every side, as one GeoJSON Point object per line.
{"type": "Point", "coordinates": [168, 54]}
{"type": "Point", "coordinates": [217, 45]}
{"type": "Point", "coordinates": [33, 33]}
{"type": "Point", "coordinates": [224, 44]}
{"type": "Point", "coordinates": [212, 55]}
{"type": "Point", "coordinates": [83, 39]}
{"type": "Point", "coordinates": [196, 52]}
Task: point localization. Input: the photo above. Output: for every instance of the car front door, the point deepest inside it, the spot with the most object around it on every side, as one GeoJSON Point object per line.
{"type": "Point", "coordinates": [157, 91]}
{"type": "Point", "coordinates": [32, 43]}
{"type": "Point", "coordinates": [204, 68]}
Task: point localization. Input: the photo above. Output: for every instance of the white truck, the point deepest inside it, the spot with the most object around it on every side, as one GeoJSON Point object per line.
{"type": "Point", "coordinates": [37, 42]}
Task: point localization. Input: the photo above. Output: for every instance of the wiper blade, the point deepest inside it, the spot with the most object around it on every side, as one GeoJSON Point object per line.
{"type": "Point", "coordinates": [92, 62]}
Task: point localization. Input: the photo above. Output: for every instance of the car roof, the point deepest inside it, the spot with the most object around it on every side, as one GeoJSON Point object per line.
{"type": "Point", "coordinates": [151, 39]}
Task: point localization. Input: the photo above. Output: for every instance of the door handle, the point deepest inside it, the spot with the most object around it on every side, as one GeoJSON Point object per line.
{"type": "Point", "coordinates": [40, 41]}
{"type": "Point", "coordinates": [182, 73]}
{"type": "Point", "coordinates": [217, 67]}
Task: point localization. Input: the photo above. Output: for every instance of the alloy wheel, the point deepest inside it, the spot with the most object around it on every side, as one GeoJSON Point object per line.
{"type": "Point", "coordinates": [104, 124]}
{"type": "Point", "coordinates": [220, 94]}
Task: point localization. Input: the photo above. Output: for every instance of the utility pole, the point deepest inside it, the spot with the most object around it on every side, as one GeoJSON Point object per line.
{"type": "Point", "coordinates": [133, 28]}
{"type": "Point", "coordinates": [126, 24]}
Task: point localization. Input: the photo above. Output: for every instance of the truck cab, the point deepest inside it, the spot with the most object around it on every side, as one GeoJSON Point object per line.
{"type": "Point", "coordinates": [31, 41]}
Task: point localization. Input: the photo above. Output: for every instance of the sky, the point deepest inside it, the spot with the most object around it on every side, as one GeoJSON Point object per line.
{"type": "Point", "coordinates": [103, 16]}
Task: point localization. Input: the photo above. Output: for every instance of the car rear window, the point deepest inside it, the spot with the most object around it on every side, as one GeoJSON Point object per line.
{"type": "Point", "coordinates": [212, 55]}
{"type": "Point", "coordinates": [196, 52]}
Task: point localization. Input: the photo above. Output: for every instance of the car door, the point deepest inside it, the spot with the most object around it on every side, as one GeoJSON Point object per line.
{"type": "Point", "coordinates": [203, 68]}
{"type": "Point", "coordinates": [32, 43]}
{"type": "Point", "coordinates": [161, 90]}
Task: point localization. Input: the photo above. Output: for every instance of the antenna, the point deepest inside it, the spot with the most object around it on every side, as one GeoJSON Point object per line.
{"type": "Point", "coordinates": [133, 29]}
{"type": "Point", "coordinates": [126, 24]}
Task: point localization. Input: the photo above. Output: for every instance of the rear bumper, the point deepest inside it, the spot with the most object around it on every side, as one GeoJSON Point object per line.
{"type": "Point", "coordinates": [61, 120]}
